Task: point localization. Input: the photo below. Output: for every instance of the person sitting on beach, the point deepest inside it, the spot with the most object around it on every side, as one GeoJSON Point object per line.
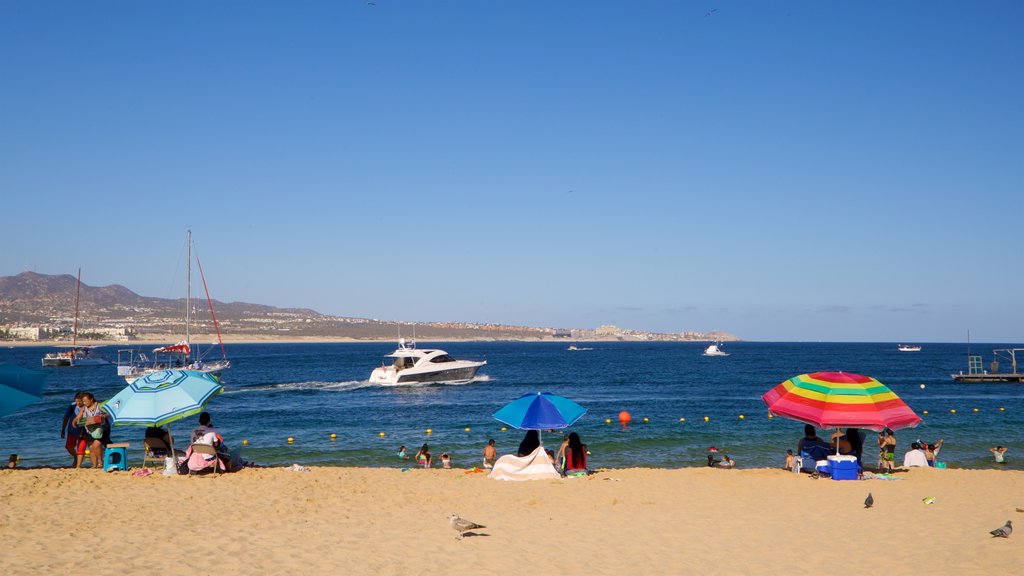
{"type": "Point", "coordinates": [726, 462]}
{"type": "Point", "coordinates": [811, 445]}
{"type": "Point", "coordinates": [931, 451]}
{"type": "Point", "coordinates": [207, 435]}
{"type": "Point", "coordinates": [530, 443]}
{"type": "Point", "coordinates": [915, 457]}
{"type": "Point", "coordinates": [490, 454]}
{"type": "Point", "coordinates": [575, 455]}
{"type": "Point", "coordinates": [839, 441]}
{"type": "Point", "coordinates": [998, 453]}
{"type": "Point", "coordinates": [160, 433]}
{"type": "Point", "coordinates": [423, 456]}
{"type": "Point", "coordinates": [446, 460]}
{"type": "Point", "coordinates": [12, 462]}
{"type": "Point", "coordinates": [790, 460]}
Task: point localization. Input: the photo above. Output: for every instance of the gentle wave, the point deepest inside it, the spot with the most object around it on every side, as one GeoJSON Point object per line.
{"type": "Point", "coordinates": [301, 386]}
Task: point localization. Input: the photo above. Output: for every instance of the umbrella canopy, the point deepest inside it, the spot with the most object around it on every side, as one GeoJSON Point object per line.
{"type": "Point", "coordinates": [840, 400]}
{"type": "Point", "coordinates": [540, 411]}
{"type": "Point", "coordinates": [162, 397]}
{"type": "Point", "coordinates": [19, 387]}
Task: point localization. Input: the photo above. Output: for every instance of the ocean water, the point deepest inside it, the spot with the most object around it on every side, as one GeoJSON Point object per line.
{"type": "Point", "coordinates": [309, 391]}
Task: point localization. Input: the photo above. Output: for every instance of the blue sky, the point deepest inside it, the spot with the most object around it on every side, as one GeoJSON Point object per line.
{"type": "Point", "coordinates": [780, 170]}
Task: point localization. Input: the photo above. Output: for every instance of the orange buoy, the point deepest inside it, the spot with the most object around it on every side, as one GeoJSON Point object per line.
{"type": "Point", "coordinates": [624, 417]}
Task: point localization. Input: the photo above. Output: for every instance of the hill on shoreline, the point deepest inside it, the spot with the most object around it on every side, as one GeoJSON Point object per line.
{"type": "Point", "coordinates": [30, 299]}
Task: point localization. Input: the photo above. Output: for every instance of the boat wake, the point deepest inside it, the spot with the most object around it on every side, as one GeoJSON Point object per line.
{"type": "Point", "coordinates": [302, 386]}
{"type": "Point", "coordinates": [346, 386]}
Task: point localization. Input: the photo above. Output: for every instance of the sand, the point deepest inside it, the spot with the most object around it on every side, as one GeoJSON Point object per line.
{"type": "Point", "coordinates": [385, 521]}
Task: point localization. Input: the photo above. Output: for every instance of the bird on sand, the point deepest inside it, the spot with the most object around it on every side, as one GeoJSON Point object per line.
{"type": "Point", "coordinates": [461, 525]}
{"type": "Point", "coordinates": [869, 501]}
{"type": "Point", "coordinates": [1003, 532]}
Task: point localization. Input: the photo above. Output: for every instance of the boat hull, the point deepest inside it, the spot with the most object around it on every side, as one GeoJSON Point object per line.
{"type": "Point", "coordinates": [452, 375]}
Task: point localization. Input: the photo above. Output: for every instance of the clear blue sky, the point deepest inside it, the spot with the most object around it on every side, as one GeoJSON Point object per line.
{"type": "Point", "coordinates": [780, 170]}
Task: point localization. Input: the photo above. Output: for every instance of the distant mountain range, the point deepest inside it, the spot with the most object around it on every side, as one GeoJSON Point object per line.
{"type": "Point", "coordinates": [31, 300]}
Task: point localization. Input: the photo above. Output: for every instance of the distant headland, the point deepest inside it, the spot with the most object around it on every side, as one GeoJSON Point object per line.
{"type": "Point", "coordinates": [40, 308]}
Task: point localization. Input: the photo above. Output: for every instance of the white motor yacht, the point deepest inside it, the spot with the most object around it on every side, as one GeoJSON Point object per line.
{"type": "Point", "coordinates": [411, 365]}
{"type": "Point", "coordinates": [908, 348]}
{"type": "Point", "coordinates": [74, 356]}
{"type": "Point", "coordinates": [714, 350]}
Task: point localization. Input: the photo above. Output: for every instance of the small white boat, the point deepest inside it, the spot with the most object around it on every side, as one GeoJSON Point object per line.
{"type": "Point", "coordinates": [715, 350]}
{"type": "Point", "coordinates": [575, 348]}
{"type": "Point", "coordinates": [74, 356]}
{"type": "Point", "coordinates": [908, 348]}
{"type": "Point", "coordinates": [411, 365]}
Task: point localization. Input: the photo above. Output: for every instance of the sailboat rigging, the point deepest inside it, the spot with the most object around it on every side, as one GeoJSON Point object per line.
{"type": "Point", "coordinates": [75, 355]}
{"type": "Point", "coordinates": [133, 364]}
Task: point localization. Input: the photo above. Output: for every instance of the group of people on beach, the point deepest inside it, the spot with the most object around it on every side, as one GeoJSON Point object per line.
{"type": "Point", "coordinates": [851, 442]}
{"type": "Point", "coordinates": [85, 429]}
{"type": "Point", "coordinates": [570, 458]}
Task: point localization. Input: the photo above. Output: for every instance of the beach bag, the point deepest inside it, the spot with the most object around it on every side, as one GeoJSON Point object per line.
{"type": "Point", "coordinates": [96, 432]}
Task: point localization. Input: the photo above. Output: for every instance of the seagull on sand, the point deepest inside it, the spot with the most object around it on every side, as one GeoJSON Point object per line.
{"type": "Point", "coordinates": [869, 501]}
{"type": "Point", "coordinates": [1003, 532]}
{"type": "Point", "coordinates": [461, 525]}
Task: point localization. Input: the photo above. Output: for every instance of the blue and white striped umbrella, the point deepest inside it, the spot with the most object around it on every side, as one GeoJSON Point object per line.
{"type": "Point", "coordinates": [540, 411]}
{"type": "Point", "coordinates": [19, 387]}
{"type": "Point", "coordinates": [162, 397]}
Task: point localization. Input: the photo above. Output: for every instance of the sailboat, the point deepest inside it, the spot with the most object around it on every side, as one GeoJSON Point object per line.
{"type": "Point", "coordinates": [133, 364]}
{"type": "Point", "coordinates": [75, 355]}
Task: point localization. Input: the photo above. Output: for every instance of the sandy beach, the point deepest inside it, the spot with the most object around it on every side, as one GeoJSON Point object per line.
{"type": "Point", "coordinates": [385, 521]}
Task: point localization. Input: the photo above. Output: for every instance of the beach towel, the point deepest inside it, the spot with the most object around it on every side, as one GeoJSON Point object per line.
{"type": "Point", "coordinates": [535, 466]}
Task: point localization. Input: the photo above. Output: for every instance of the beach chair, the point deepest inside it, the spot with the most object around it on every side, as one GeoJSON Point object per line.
{"type": "Point", "coordinates": [206, 450]}
{"type": "Point", "coordinates": [154, 450]}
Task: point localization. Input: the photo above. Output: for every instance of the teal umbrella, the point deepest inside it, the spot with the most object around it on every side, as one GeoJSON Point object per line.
{"type": "Point", "coordinates": [162, 397]}
{"type": "Point", "coordinates": [19, 387]}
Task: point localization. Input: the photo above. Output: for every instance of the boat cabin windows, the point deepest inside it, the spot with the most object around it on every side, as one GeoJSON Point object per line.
{"type": "Point", "coordinates": [442, 358]}
{"type": "Point", "coordinates": [403, 362]}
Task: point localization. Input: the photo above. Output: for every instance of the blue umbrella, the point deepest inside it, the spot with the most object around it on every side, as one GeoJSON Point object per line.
{"type": "Point", "coordinates": [19, 387]}
{"type": "Point", "coordinates": [162, 397]}
{"type": "Point", "coordinates": [540, 411]}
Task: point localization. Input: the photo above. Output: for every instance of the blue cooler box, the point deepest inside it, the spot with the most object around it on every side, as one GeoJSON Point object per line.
{"type": "Point", "coordinates": [843, 467]}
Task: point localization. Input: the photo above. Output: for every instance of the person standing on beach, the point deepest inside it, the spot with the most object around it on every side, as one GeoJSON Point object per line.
{"type": "Point", "coordinates": [75, 443]}
{"type": "Point", "coordinates": [490, 454]}
{"type": "Point", "coordinates": [887, 449]}
{"type": "Point", "coordinates": [97, 431]}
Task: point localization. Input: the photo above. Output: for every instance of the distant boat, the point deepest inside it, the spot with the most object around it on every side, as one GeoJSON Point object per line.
{"type": "Point", "coordinates": [574, 348]}
{"type": "Point", "coordinates": [715, 350]}
{"type": "Point", "coordinates": [75, 355]}
{"type": "Point", "coordinates": [908, 348]}
{"type": "Point", "coordinates": [132, 364]}
{"type": "Point", "coordinates": [411, 365]}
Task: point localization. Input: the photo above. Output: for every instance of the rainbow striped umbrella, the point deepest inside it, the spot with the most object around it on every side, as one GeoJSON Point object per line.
{"type": "Point", "coordinates": [840, 400]}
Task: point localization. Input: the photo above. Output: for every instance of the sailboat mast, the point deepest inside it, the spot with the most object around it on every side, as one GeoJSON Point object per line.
{"type": "Point", "coordinates": [188, 295]}
{"type": "Point", "coordinates": [78, 294]}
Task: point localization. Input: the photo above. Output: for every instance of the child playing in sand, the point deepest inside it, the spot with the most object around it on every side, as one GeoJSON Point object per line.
{"type": "Point", "coordinates": [446, 460]}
